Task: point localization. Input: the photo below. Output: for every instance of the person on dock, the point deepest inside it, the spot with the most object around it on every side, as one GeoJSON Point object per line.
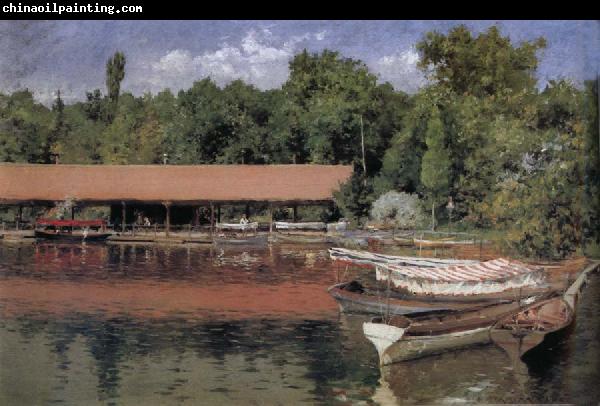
{"type": "Point", "coordinates": [243, 220]}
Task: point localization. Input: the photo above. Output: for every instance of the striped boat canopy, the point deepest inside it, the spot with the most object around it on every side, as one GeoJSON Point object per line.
{"type": "Point", "coordinates": [373, 259]}
{"type": "Point", "coordinates": [484, 277]}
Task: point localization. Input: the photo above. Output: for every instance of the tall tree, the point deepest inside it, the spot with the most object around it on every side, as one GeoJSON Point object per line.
{"type": "Point", "coordinates": [59, 129]}
{"type": "Point", "coordinates": [115, 73]}
{"type": "Point", "coordinates": [436, 164]}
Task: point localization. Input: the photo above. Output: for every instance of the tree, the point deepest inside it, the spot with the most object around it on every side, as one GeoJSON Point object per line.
{"type": "Point", "coordinates": [201, 125]}
{"type": "Point", "coordinates": [539, 201]}
{"type": "Point", "coordinates": [435, 165]}
{"type": "Point", "coordinates": [480, 66]}
{"type": "Point", "coordinates": [96, 106]}
{"type": "Point", "coordinates": [59, 129]}
{"type": "Point", "coordinates": [355, 196]}
{"type": "Point", "coordinates": [592, 164]}
{"type": "Point", "coordinates": [84, 138]}
{"type": "Point", "coordinates": [328, 95]}
{"type": "Point", "coordinates": [25, 128]}
{"type": "Point", "coordinates": [120, 140]}
{"type": "Point", "coordinates": [115, 73]}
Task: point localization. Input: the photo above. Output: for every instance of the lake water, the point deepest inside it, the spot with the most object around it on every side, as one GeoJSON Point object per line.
{"type": "Point", "coordinates": [148, 325]}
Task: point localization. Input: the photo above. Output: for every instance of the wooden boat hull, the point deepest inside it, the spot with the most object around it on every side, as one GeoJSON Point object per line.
{"type": "Point", "coordinates": [315, 226]}
{"type": "Point", "coordinates": [441, 243]}
{"type": "Point", "coordinates": [409, 348]}
{"type": "Point", "coordinates": [300, 239]}
{"type": "Point", "coordinates": [507, 295]}
{"type": "Point", "coordinates": [403, 242]}
{"type": "Point", "coordinates": [545, 318]}
{"type": "Point", "coordinates": [251, 240]}
{"type": "Point", "coordinates": [78, 237]}
{"type": "Point", "coordinates": [369, 303]}
{"type": "Point", "coordinates": [434, 333]}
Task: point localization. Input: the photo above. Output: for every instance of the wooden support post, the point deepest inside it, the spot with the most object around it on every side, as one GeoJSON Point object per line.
{"type": "Point", "coordinates": [19, 217]}
{"type": "Point", "coordinates": [247, 208]}
{"type": "Point", "coordinates": [295, 212]}
{"type": "Point", "coordinates": [72, 212]}
{"type": "Point", "coordinates": [212, 218]}
{"type": "Point", "coordinates": [167, 218]}
{"type": "Point", "coordinates": [197, 216]}
{"type": "Point", "coordinates": [218, 213]}
{"type": "Point", "coordinates": [270, 218]}
{"type": "Point", "coordinates": [123, 220]}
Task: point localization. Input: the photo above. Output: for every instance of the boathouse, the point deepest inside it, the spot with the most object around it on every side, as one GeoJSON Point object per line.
{"type": "Point", "coordinates": [175, 192]}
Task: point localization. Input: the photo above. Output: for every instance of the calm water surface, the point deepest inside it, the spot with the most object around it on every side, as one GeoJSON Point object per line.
{"type": "Point", "coordinates": [134, 324]}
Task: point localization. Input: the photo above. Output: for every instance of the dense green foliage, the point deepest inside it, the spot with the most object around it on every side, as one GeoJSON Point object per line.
{"type": "Point", "coordinates": [510, 155]}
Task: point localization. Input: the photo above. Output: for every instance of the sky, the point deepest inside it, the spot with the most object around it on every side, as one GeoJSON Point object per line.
{"type": "Point", "coordinates": [44, 56]}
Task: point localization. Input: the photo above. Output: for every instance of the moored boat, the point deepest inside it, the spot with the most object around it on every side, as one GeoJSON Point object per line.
{"type": "Point", "coordinates": [314, 225]}
{"type": "Point", "coordinates": [71, 230]}
{"type": "Point", "coordinates": [297, 238]}
{"type": "Point", "coordinates": [403, 338]}
{"type": "Point", "coordinates": [520, 332]}
{"type": "Point", "coordinates": [404, 241]}
{"type": "Point", "coordinates": [239, 234]}
{"type": "Point", "coordinates": [354, 298]}
{"type": "Point", "coordinates": [441, 243]}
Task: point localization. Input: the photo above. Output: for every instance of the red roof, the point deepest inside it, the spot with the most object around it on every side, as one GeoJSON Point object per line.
{"type": "Point", "coordinates": [174, 183]}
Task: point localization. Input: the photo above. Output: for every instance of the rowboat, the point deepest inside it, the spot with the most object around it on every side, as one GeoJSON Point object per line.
{"type": "Point", "coordinates": [404, 338]}
{"type": "Point", "coordinates": [441, 243]}
{"type": "Point", "coordinates": [71, 230]}
{"type": "Point", "coordinates": [404, 241]}
{"type": "Point", "coordinates": [237, 226]}
{"type": "Point", "coordinates": [239, 234]}
{"type": "Point", "coordinates": [524, 330]}
{"type": "Point", "coordinates": [285, 226]}
{"type": "Point", "coordinates": [352, 297]}
{"type": "Point", "coordinates": [286, 238]}
{"type": "Point", "coordinates": [372, 259]}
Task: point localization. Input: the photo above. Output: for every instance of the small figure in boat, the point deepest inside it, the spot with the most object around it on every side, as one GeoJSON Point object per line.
{"type": "Point", "coordinates": [243, 220]}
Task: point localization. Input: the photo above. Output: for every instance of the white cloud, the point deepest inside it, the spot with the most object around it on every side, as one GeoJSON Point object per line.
{"type": "Point", "coordinates": [400, 69]}
{"type": "Point", "coordinates": [177, 61]}
{"type": "Point", "coordinates": [259, 58]}
{"type": "Point", "coordinates": [256, 59]}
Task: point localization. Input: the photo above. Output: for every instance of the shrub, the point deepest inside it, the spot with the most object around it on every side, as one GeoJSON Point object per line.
{"type": "Point", "coordinates": [400, 209]}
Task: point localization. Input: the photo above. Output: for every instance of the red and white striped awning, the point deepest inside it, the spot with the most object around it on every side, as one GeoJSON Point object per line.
{"type": "Point", "coordinates": [497, 269]}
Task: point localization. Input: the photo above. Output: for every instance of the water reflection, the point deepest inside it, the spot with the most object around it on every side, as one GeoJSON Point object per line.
{"type": "Point", "coordinates": [135, 324]}
{"type": "Point", "coordinates": [563, 370]}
